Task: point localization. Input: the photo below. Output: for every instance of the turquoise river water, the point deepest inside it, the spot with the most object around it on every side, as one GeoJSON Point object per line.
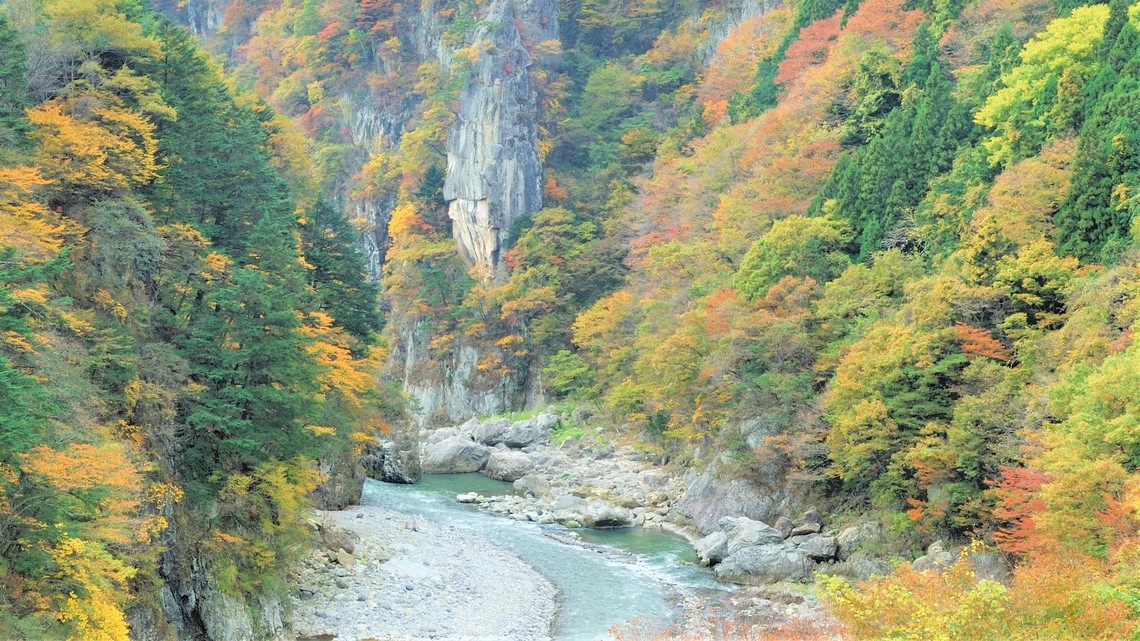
{"type": "Point", "coordinates": [625, 575]}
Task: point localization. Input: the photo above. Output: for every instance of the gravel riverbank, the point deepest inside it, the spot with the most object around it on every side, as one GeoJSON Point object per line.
{"type": "Point", "coordinates": [409, 578]}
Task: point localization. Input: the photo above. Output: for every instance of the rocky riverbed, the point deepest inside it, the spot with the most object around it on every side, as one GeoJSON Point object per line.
{"type": "Point", "coordinates": [385, 575]}
{"type": "Point", "coordinates": [586, 482]}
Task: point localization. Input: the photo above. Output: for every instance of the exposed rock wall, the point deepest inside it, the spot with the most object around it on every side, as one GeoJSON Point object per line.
{"type": "Point", "coordinates": [450, 387]}
{"type": "Point", "coordinates": [494, 175]}
{"type": "Point", "coordinates": [204, 16]}
{"type": "Point", "coordinates": [196, 608]}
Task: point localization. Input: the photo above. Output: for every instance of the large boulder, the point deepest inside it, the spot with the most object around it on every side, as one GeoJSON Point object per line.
{"type": "Point", "coordinates": [443, 434]}
{"type": "Point", "coordinates": [937, 558]}
{"type": "Point", "coordinates": [743, 533]}
{"type": "Point", "coordinates": [712, 549]}
{"type": "Point", "coordinates": [569, 502]}
{"type": "Point", "coordinates": [765, 564]}
{"type": "Point", "coordinates": [533, 485]}
{"type": "Point", "coordinates": [529, 432]}
{"type": "Point", "coordinates": [816, 547]}
{"type": "Point", "coordinates": [708, 499]}
{"type": "Point", "coordinates": [455, 455]}
{"type": "Point", "coordinates": [491, 432]}
{"type": "Point", "coordinates": [342, 482]}
{"type": "Point", "coordinates": [852, 538]}
{"type": "Point", "coordinates": [784, 526]}
{"type": "Point", "coordinates": [600, 514]}
{"type": "Point", "coordinates": [508, 466]}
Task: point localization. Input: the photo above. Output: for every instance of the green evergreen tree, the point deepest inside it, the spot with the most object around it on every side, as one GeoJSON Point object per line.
{"type": "Point", "coordinates": [338, 273]}
{"type": "Point", "coordinates": [247, 353]}
{"type": "Point", "coordinates": [1095, 220]}
{"type": "Point", "coordinates": [13, 86]}
{"type": "Point", "coordinates": [218, 175]}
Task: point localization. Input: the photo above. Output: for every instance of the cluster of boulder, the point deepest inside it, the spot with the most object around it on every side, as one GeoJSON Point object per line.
{"type": "Point", "coordinates": [582, 482]}
{"type": "Point", "coordinates": [744, 550]}
{"type": "Point", "coordinates": [494, 447]}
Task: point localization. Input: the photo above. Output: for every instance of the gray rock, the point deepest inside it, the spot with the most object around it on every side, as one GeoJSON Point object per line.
{"type": "Point", "coordinates": [600, 514]}
{"type": "Point", "coordinates": [508, 466]}
{"type": "Point", "coordinates": [861, 566]}
{"type": "Point", "coordinates": [146, 622]}
{"type": "Point", "coordinates": [743, 533]}
{"type": "Point", "coordinates": [812, 516]}
{"type": "Point", "coordinates": [708, 499]}
{"type": "Point", "coordinates": [491, 432]}
{"type": "Point", "coordinates": [336, 538]}
{"type": "Point", "coordinates": [342, 482]}
{"type": "Point", "coordinates": [568, 502]}
{"type": "Point", "coordinates": [395, 461]}
{"type": "Point", "coordinates": [224, 617]}
{"type": "Point", "coordinates": [784, 526]}
{"type": "Point", "coordinates": [990, 565]}
{"type": "Point", "coordinates": [445, 433]}
{"type": "Point", "coordinates": [652, 479]}
{"type": "Point", "coordinates": [455, 455]}
{"type": "Point", "coordinates": [469, 497]}
{"type": "Point", "coordinates": [765, 564]}
{"type": "Point", "coordinates": [533, 485]}
{"type": "Point", "coordinates": [936, 558]}
{"type": "Point", "coordinates": [852, 538]}
{"type": "Point", "coordinates": [529, 432]}
{"type": "Point", "coordinates": [806, 528]}
{"type": "Point", "coordinates": [468, 428]}
{"type": "Point", "coordinates": [816, 547]}
{"type": "Point", "coordinates": [494, 175]}
{"type": "Point", "coordinates": [712, 549]}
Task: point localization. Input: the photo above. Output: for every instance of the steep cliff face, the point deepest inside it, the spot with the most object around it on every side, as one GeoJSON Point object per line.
{"type": "Point", "coordinates": [452, 389]}
{"type": "Point", "coordinates": [494, 177]}
{"type": "Point", "coordinates": [493, 169]}
{"type": "Point", "coordinates": [204, 16]}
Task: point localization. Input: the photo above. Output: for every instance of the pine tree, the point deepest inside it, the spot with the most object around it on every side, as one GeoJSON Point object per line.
{"type": "Point", "coordinates": [338, 273]}
{"type": "Point", "coordinates": [248, 355]}
{"type": "Point", "coordinates": [13, 86]}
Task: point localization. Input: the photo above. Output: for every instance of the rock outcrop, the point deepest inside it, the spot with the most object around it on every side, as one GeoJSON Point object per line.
{"type": "Point", "coordinates": [765, 564]}
{"type": "Point", "coordinates": [493, 169]}
{"type": "Point", "coordinates": [452, 388]}
{"type": "Point", "coordinates": [196, 607]}
{"type": "Point", "coordinates": [342, 482]}
{"type": "Point", "coordinates": [708, 499]}
{"type": "Point", "coordinates": [393, 462]}
{"type": "Point", "coordinates": [455, 455]}
{"type": "Point", "coordinates": [748, 551]}
{"type": "Point", "coordinates": [600, 514]}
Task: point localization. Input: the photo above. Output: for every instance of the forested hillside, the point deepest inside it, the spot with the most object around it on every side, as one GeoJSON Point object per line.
{"type": "Point", "coordinates": [186, 330]}
{"type": "Point", "coordinates": [879, 256]}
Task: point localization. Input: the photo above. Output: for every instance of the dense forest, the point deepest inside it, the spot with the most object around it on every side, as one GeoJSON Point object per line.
{"type": "Point", "coordinates": [879, 254]}
{"type": "Point", "coordinates": [187, 327]}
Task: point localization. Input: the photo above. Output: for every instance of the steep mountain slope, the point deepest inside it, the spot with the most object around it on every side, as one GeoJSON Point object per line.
{"type": "Point", "coordinates": [189, 341]}
{"type": "Point", "coordinates": [877, 255]}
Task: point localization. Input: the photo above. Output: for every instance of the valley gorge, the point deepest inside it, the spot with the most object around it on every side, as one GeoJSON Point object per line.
{"type": "Point", "coordinates": [527, 319]}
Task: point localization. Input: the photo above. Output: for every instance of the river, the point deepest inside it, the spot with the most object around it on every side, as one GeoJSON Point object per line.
{"type": "Point", "coordinates": [624, 575]}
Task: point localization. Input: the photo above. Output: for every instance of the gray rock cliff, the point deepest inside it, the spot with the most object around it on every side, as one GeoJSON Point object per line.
{"type": "Point", "coordinates": [494, 176]}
